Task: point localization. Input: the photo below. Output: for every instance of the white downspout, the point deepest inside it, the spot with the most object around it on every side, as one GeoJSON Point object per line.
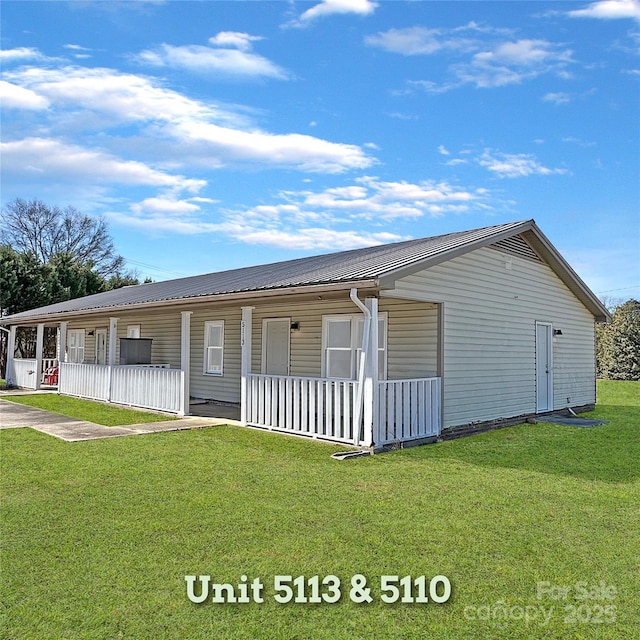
{"type": "Point", "coordinates": [353, 294]}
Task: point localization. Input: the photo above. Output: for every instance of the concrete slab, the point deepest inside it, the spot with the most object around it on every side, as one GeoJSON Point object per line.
{"type": "Point", "coordinates": [14, 415]}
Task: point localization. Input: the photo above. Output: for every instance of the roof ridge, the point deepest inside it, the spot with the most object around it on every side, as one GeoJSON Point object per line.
{"type": "Point", "coordinates": [353, 265]}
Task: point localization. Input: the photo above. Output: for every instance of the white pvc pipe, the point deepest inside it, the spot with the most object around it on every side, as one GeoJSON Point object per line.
{"type": "Point", "coordinates": [353, 294]}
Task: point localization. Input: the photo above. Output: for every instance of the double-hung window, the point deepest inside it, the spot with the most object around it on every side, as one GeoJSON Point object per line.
{"type": "Point", "coordinates": [214, 347]}
{"type": "Point", "coordinates": [75, 346]}
{"type": "Point", "coordinates": [342, 345]}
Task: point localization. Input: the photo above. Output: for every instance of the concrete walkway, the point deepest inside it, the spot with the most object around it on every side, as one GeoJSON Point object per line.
{"type": "Point", "coordinates": [14, 415]}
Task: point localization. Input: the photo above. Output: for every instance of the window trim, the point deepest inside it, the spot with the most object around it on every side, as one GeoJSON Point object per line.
{"type": "Point", "coordinates": [354, 348]}
{"type": "Point", "coordinates": [134, 331]}
{"type": "Point", "coordinates": [207, 346]}
{"type": "Point", "coordinates": [78, 332]}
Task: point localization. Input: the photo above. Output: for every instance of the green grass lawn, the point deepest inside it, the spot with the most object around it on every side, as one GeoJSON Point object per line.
{"type": "Point", "coordinates": [108, 415]}
{"type": "Point", "coordinates": [97, 536]}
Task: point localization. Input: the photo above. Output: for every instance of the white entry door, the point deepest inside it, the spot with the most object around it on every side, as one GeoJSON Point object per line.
{"type": "Point", "coordinates": [544, 367]}
{"type": "Point", "coordinates": [276, 334]}
{"type": "Point", "coordinates": [101, 346]}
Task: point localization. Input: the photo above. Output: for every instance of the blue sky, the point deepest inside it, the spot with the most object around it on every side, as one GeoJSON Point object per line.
{"type": "Point", "coordinates": [215, 135]}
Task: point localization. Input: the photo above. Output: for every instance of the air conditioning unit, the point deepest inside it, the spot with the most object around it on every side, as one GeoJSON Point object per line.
{"type": "Point", "coordinates": [135, 350]}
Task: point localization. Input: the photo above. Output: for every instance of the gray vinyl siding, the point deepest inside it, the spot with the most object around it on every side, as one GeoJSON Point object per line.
{"type": "Point", "coordinates": [411, 339]}
{"type": "Point", "coordinates": [491, 303]}
{"type": "Point", "coordinates": [225, 388]}
{"type": "Point", "coordinates": [411, 331]}
{"type": "Point", "coordinates": [306, 344]}
{"type": "Point", "coordinates": [163, 327]}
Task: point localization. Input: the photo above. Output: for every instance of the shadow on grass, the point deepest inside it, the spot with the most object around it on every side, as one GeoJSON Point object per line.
{"type": "Point", "coordinates": [608, 453]}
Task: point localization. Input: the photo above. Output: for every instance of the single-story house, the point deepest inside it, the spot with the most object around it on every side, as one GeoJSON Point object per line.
{"type": "Point", "coordinates": [377, 346]}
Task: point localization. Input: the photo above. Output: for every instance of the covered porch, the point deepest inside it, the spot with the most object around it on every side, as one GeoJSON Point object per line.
{"type": "Point", "coordinates": [149, 386]}
{"type": "Point", "coordinates": [379, 386]}
{"type": "Point", "coordinates": [369, 409]}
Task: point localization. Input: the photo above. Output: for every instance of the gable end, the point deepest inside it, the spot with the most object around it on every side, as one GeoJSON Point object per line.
{"type": "Point", "coordinates": [517, 246]}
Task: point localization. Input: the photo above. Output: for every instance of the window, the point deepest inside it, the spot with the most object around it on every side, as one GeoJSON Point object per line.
{"type": "Point", "coordinates": [75, 346]}
{"type": "Point", "coordinates": [342, 345]}
{"type": "Point", "coordinates": [213, 347]}
{"type": "Point", "coordinates": [133, 331]}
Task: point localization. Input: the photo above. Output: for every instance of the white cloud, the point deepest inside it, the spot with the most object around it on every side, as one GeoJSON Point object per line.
{"type": "Point", "coordinates": [557, 98]}
{"type": "Point", "coordinates": [60, 162]}
{"type": "Point", "coordinates": [442, 150]}
{"type": "Point", "coordinates": [14, 97]}
{"type": "Point", "coordinates": [19, 54]}
{"type": "Point", "coordinates": [513, 62]}
{"type": "Point", "coordinates": [312, 238]}
{"type": "Point", "coordinates": [332, 218]}
{"type": "Point", "coordinates": [490, 60]}
{"type": "Point", "coordinates": [509, 165]}
{"type": "Point", "coordinates": [333, 7]}
{"type": "Point", "coordinates": [235, 60]}
{"type": "Point", "coordinates": [239, 40]}
{"type": "Point", "coordinates": [413, 41]}
{"type": "Point", "coordinates": [307, 153]}
{"type": "Point", "coordinates": [166, 205]}
{"type": "Point", "coordinates": [373, 199]}
{"type": "Point", "coordinates": [208, 134]}
{"type": "Point", "coordinates": [609, 10]}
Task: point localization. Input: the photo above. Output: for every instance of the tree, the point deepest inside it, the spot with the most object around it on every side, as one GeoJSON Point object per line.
{"type": "Point", "coordinates": [618, 344]}
{"type": "Point", "coordinates": [44, 231]}
{"type": "Point", "coordinates": [22, 282]}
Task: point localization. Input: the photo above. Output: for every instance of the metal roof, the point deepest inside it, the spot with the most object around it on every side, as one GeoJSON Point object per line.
{"type": "Point", "coordinates": [348, 267]}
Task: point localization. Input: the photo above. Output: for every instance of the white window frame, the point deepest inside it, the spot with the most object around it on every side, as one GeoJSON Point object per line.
{"type": "Point", "coordinates": [220, 347]}
{"type": "Point", "coordinates": [133, 331]}
{"type": "Point", "coordinates": [75, 345]}
{"type": "Point", "coordinates": [355, 348]}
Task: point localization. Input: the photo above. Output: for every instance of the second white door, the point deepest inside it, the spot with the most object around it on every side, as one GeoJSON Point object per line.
{"type": "Point", "coordinates": [276, 335]}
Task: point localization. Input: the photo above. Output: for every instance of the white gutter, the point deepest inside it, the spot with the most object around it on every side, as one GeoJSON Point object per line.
{"type": "Point", "coordinates": [353, 294]}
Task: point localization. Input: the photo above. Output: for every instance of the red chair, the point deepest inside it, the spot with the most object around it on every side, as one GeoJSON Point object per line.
{"type": "Point", "coordinates": [51, 377]}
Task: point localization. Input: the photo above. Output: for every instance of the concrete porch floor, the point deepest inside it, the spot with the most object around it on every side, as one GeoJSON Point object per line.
{"type": "Point", "coordinates": [214, 410]}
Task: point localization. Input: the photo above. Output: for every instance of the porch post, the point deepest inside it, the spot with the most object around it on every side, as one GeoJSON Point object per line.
{"type": "Point", "coordinates": [62, 341]}
{"type": "Point", "coordinates": [371, 376]}
{"type": "Point", "coordinates": [185, 360]}
{"type": "Point", "coordinates": [113, 341]}
{"type": "Point", "coordinates": [246, 326]}
{"type": "Point", "coordinates": [39, 349]}
{"type": "Point", "coordinates": [11, 347]}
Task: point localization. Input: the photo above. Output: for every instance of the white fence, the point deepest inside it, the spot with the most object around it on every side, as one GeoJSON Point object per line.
{"type": "Point", "coordinates": [407, 410]}
{"type": "Point", "coordinates": [325, 408]}
{"type": "Point", "coordinates": [316, 407]}
{"type": "Point", "coordinates": [25, 373]}
{"type": "Point", "coordinates": [138, 386]}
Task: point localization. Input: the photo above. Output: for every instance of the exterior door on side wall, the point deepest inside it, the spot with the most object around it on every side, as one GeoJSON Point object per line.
{"type": "Point", "coordinates": [276, 333]}
{"type": "Point", "coordinates": [101, 346]}
{"type": "Point", "coordinates": [544, 367]}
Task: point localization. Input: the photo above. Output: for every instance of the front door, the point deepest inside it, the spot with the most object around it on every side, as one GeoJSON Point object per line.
{"type": "Point", "coordinates": [101, 346]}
{"type": "Point", "coordinates": [544, 367]}
{"type": "Point", "coordinates": [276, 333]}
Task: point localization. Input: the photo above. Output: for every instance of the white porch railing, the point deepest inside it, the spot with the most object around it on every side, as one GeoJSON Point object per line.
{"type": "Point", "coordinates": [25, 372]}
{"type": "Point", "coordinates": [407, 410]}
{"type": "Point", "coordinates": [325, 408]}
{"type": "Point", "coordinates": [147, 387]}
{"type": "Point", "coordinates": [316, 407]}
{"type": "Point", "coordinates": [85, 380]}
